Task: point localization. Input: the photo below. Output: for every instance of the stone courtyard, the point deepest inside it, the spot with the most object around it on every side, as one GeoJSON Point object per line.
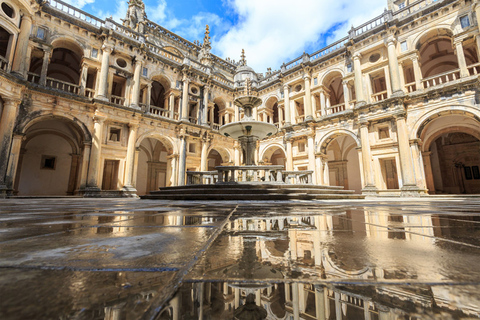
{"type": "Point", "coordinates": [73, 258]}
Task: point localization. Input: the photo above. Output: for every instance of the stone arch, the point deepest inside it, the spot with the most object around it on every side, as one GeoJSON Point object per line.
{"type": "Point", "coordinates": [224, 153]}
{"type": "Point", "coordinates": [154, 164]}
{"type": "Point", "coordinates": [451, 150]}
{"type": "Point", "coordinates": [330, 136]}
{"type": "Point", "coordinates": [420, 39]}
{"type": "Point", "coordinates": [219, 109]}
{"type": "Point", "coordinates": [168, 142]}
{"type": "Point", "coordinates": [51, 157]}
{"type": "Point", "coordinates": [330, 75]}
{"type": "Point", "coordinates": [275, 154]}
{"type": "Point", "coordinates": [27, 122]}
{"type": "Point", "coordinates": [163, 79]}
{"type": "Point", "coordinates": [61, 41]}
{"type": "Point", "coordinates": [271, 104]}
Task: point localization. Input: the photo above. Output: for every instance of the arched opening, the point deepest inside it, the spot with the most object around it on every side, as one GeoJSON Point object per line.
{"type": "Point", "coordinates": [154, 167]}
{"type": "Point", "coordinates": [65, 65]}
{"type": "Point", "coordinates": [157, 96]}
{"type": "Point", "coordinates": [214, 159]}
{"type": "Point", "coordinates": [334, 95]}
{"type": "Point", "coordinates": [272, 112]}
{"type": "Point", "coordinates": [219, 112]}
{"type": "Point", "coordinates": [50, 160]}
{"type": "Point", "coordinates": [343, 163]}
{"type": "Point", "coordinates": [274, 156]}
{"type": "Point", "coordinates": [451, 153]}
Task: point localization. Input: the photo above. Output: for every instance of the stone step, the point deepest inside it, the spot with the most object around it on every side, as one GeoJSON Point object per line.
{"type": "Point", "coordinates": [238, 196]}
{"type": "Point", "coordinates": [248, 191]}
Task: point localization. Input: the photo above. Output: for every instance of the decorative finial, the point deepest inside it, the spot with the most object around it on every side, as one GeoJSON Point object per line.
{"type": "Point", "coordinates": [243, 61]}
{"type": "Point", "coordinates": [206, 39]}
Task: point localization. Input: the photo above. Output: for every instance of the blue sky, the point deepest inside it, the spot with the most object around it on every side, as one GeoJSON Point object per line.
{"type": "Point", "coordinates": [270, 31]}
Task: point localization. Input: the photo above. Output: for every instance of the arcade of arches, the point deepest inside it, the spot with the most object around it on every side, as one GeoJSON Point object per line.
{"type": "Point", "coordinates": [93, 116]}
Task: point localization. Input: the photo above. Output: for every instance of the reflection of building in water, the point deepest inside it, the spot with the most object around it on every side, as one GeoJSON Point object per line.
{"type": "Point", "coordinates": [299, 254]}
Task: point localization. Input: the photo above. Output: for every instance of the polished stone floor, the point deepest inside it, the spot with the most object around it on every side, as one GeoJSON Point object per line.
{"type": "Point", "coordinates": [143, 259]}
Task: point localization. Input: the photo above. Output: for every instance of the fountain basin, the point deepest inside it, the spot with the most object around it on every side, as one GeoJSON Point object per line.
{"type": "Point", "coordinates": [253, 128]}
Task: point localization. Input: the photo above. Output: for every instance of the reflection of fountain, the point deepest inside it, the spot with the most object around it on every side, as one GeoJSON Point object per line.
{"type": "Point", "coordinates": [248, 131]}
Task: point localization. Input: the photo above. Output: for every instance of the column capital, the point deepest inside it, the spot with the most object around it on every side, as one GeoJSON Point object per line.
{"type": "Point", "coordinates": [400, 114]}
{"type": "Point", "coordinates": [357, 56]}
{"type": "Point", "coordinates": [363, 122]}
{"type": "Point", "coordinates": [286, 86]}
{"type": "Point", "coordinates": [391, 40]}
{"type": "Point", "coordinates": [26, 17]}
{"type": "Point", "coordinates": [14, 102]}
{"type": "Point", "coordinates": [108, 47]}
{"type": "Point", "coordinates": [99, 118]}
{"type": "Point", "coordinates": [133, 125]}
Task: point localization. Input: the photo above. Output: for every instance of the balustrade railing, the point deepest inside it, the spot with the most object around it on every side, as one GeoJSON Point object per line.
{"type": "Point", "coordinates": [441, 78]}
{"type": "Point", "coordinates": [157, 111]}
{"type": "Point", "coordinates": [379, 96]}
{"type": "Point", "coordinates": [369, 25]}
{"type": "Point", "coordinates": [298, 177]}
{"type": "Point", "coordinates": [33, 77]}
{"type": "Point", "coordinates": [193, 120]}
{"type": "Point", "coordinates": [411, 87]}
{"type": "Point", "coordinates": [117, 100]}
{"type": "Point", "coordinates": [413, 7]}
{"type": "Point", "coordinates": [202, 177]}
{"type": "Point", "coordinates": [300, 118]}
{"type": "Point", "coordinates": [336, 108]}
{"type": "Point", "coordinates": [63, 86]}
{"type": "Point", "coordinates": [3, 64]}
{"type": "Point", "coordinates": [89, 93]}
{"type": "Point", "coordinates": [129, 33]}
{"type": "Point", "coordinates": [215, 126]}
{"type": "Point", "coordinates": [340, 44]}
{"type": "Point", "coordinates": [250, 174]}
{"type": "Point", "coordinates": [74, 12]}
{"type": "Point", "coordinates": [474, 69]}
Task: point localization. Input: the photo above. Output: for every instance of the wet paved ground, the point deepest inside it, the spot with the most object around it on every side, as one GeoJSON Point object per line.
{"type": "Point", "coordinates": [139, 259]}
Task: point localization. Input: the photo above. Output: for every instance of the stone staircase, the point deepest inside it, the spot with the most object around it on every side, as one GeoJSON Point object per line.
{"type": "Point", "coordinates": [252, 191]}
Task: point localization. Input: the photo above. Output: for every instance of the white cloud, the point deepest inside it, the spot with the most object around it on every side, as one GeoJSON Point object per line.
{"type": "Point", "coordinates": [79, 3]}
{"type": "Point", "coordinates": [275, 31]}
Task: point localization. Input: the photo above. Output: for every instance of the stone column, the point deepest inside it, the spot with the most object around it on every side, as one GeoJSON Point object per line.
{"type": "Point", "coordinates": [295, 301]}
{"type": "Point", "coordinates": [171, 104]}
{"type": "Point", "coordinates": [311, 155]}
{"type": "Point", "coordinates": [95, 154]}
{"type": "Point", "coordinates": [84, 165]}
{"type": "Point", "coordinates": [288, 113]}
{"type": "Point", "coordinates": [237, 147]}
{"type": "Point", "coordinates": [130, 161]}
{"type": "Point", "coordinates": [20, 62]}
{"type": "Point", "coordinates": [45, 62]}
{"type": "Point", "coordinates": [417, 71]}
{"type": "Point", "coordinates": [406, 163]}
{"type": "Point", "coordinates": [83, 78]}
{"type": "Point", "coordinates": [103, 83]}
{"type": "Point", "coordinates": [323, 102]}
{"type": "Point", "coordinates": [325, 170]}
{"type": "Point", "coordinates": [135, 167]}
{"type": "Point", "coordinates": [314, 106]}
{"type": "Point", "coordinates": [13, 162]}
{"type": "Point", "coordinates": [428, 171]}
{"type": "Point", "coordinates": [184, 114]}
{"type": "Point", "coordinates": [136, 84]}
{"type": "Point", "coordinates": [346, 95]}
{"type": "Point", "coordinates": [393, 67]}
{"type": "Point", "coordinates": [7, 123]}
{"type": "Point", "coordinates": [477, 12]}
{"type": "Point", "coordinates": [204, 157]}
{"type": "Point", "coordinates": [289, 163]}
{"type": "Point", "coordinates": [182, 161]}
{"type": "Point", "coordinates": [358, 79]}
{"type": "Point", "coordinates": [462, 63]}
{"type": "Point", "coordinates": [369, 175]}
{"type": "Point", "coordinates": [205, 105]}
{"type": "Point", "coordinates": [308, 99]}
{"type": "Point", "coordinates": [320, 303]}
{"type": "Point", "coordinates": [418, 163]}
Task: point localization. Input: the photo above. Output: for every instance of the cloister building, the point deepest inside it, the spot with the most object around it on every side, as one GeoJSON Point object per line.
{"type": "Point", "coordinates": [100, 108]}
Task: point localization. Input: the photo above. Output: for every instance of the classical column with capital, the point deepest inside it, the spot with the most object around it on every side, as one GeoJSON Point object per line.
{"type": "Point", "coordinates": [393, 67]}
{"type": "Point", "coordinates": [311, 154]}
{"type": "Point", "coordinates": [206, 90]}
{"type": "Point", "coordinates": [184, 114]}
{"type": "Point", "coordinates": [103, 84]}
{"type": "Point", "coordinates": [136, 83]}
{"type": "Point", "coordinates": [20, 62]}
{"type": "Point", "coordinates": [45, 62]}
{"type": "Point", "coordinates": [369, 175]}
{"type": "Point", "coordinates": [95, 152]}
{"type": "Point", "coordinates": [289, 164]}
{"type": "Point", "coordinates": [462, 63]}
{"type": "Point", "coordinates": [308, 98]}
{"type": "Point", "coordinates": [288, 111]}
{"type": "Point", "coordinates": [358, 79]}
{"type": "Point", "coordinates": [406, 161]}
{"type": "Point", "coordinates": [7, 123]}
{"type": "Point", "coordinates": [130, 160]}
{"type": "Point", "coordinates": [182, 161]}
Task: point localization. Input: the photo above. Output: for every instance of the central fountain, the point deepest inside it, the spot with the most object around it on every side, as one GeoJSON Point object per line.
{"type": "Point", "coordinates": [248, 131]}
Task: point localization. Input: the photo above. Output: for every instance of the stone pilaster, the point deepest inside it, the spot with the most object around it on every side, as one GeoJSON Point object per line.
{"type": "Point", "coordinates": [358, 79]}
{"type": "Point", "coordinates": [369, 175]}
{"type": "Point", "coordinates": [20, 61]}
{"type": "Point", "coordinates": [136, 83]}
{"type": "Point", "coordinates": [393, 67]}
{"type": "Point", "coordinates": [102, 94]}
{"type": "Point", "coordinates": [93, 189]}
{"type": "Point", "coordinates": [7, 123]}
{"type": "Point", "coordinates": [288, 111]}
{"type": "Point", "coordinates": [128, 187]}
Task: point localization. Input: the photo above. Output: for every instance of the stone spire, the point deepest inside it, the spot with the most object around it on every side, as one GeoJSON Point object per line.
{"type": "Point", "coordinates": [243, 61]}
{"type": "Point", "coordinates": [204, 56]}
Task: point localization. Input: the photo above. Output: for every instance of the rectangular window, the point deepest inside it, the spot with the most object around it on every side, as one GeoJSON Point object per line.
{"type": "Point", "coordinates": [114, 134]}
{"type": "Point", "coordinates": [94, 53]}
{"type": "Point", "coordinates": [191, 147]}
{"type": "Point", "coordinates": [465, 22]}
{"type": "Point", "coordinates": [301, 147]}
{"type": "Point", "coordinates": [315, 81]}
{"type": "Point", "coordinates": [282, 94]}
{"type": "Point", "coordinates": [401, 5]}
{"type": "Point", "coordinates": [383, 133]}
{"type": "Point", "coordinates": [468, 173]}
{"type": "Point", "coordinates": [349, 67]}
{"type": "Point", "coordinates": [145, 72]}
{"type": "Point", "coordinates": [41, 33]}
{"type": "Point", "coordinates": [48, 162]}
{"type": "Point", "coordinates": [476, 172]}
{"type": "Point", "coordinates": [404, 46]}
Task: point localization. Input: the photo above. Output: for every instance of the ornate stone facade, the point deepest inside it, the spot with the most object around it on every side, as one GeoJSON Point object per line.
{"type": "Point", "coordinates": [94, 107]}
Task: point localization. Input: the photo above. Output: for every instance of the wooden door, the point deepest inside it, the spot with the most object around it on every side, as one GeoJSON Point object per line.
{"type": "Point", "coordinates": [110, 175]}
